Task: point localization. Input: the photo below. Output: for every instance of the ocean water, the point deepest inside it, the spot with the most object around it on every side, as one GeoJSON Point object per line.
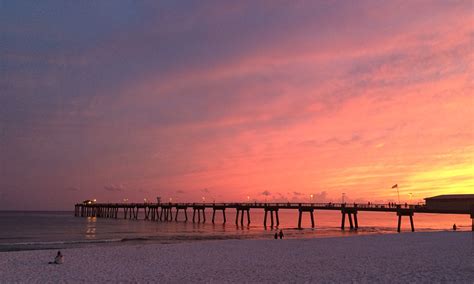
{"type": "Point", "coordinates": [47, 230]}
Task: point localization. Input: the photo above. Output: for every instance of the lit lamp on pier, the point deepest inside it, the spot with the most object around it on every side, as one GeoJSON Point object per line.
{"type": "Point", "coordinates": [311, 198]}
{"type": "Point", "coordinates": [203, 199]}
{"type": "Point", "coordinates": [171, 199]}
{"type": "Point", "coordinates": [248, 198]}
{"type": "Point", "coordinates": [145, 200]}
{"type": "Point", "coordinates": [125, 200]}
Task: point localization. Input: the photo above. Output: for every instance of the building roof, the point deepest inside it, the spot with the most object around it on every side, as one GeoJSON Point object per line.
{"type": "Point", "coordinates": [451, 197]}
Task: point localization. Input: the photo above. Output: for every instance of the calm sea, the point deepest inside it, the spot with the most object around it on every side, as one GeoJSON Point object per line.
{"type": "Point", "coordinates": [46, 230]}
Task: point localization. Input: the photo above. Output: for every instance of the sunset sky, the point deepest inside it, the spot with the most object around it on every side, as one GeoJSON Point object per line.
{"type": "Point", "coordinates": [228, 99]}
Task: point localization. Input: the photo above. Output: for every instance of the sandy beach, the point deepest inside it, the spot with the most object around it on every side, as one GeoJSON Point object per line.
{"type": "Point", "coordinates": [408, 257]}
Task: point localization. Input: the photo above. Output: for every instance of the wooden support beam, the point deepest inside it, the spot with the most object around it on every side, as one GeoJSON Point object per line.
{"type": "Point", "coordinates": [265, 219]}
{"type": "Point", "coordinates": [213, 215]}
{"type": "Point", "coordinates": [159, 213]}
{"type": "Point", "coordinates": [405, 212]}
{"type": "Point", "coordinates": [242, 218]}
{"type": "Point", "coordinates": [299, 219]}
{"type": "Point", "coordinates": [351, 224]}
{"type": "Point", "coordinates": [237, 216]}
{"type": "Point", "coordinates": [399, 223]}
{"type": "Point", "coordinates": [194, 214]}
{"type": "Point", "coordinates": [271, 214]}
{"type": "Point", "coordinates": [312, 219]}
{"type": "Point", "coordinates": [277, 218]}
{"type": "Point", "coordinates": [343, 221]}
{"type": "Point", "coordinates": [146, 213]}
{"type": "Point", "coordinates": [248, 216]}
{"type": "Point", "coordinates": [355, 221]}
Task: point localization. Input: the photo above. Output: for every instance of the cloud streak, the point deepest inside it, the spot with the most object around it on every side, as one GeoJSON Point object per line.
{"type": "Point", "coordinates": [315, 97]}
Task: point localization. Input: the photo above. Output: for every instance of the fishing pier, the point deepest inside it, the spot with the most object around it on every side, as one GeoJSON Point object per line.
{"type": "Point", "coordinates": [163, 212]}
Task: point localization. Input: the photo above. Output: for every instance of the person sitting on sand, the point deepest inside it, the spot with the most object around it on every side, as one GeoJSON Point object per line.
{"type": "Point", "coordinates": [59, 259]}
{"type": "Point", "coordinates": [454, 227]}
{"type": "Point", "coordinates": [281, 234]}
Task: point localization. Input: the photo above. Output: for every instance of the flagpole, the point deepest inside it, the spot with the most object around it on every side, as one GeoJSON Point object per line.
{"type": "Point", "coordinates": [398, 191]}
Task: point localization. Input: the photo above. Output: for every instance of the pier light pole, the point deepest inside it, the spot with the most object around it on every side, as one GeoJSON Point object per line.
{"type": "Point", "coordinates": [343, 195]}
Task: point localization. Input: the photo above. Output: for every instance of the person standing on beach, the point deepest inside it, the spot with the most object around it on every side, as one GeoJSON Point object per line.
{"type": "Point", "coordinates": [275, 236]}
{"type": "Point", "coordinates": [281, 234]}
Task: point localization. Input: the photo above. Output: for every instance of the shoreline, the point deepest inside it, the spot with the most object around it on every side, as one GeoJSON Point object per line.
{"type": "Point", "coordinates": [143, 240]}
{"type": "Point", "coordinates": [414, 257]}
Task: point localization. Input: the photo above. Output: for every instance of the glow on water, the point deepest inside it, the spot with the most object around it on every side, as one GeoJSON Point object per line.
{"type": "Point", "coordinates": [37, 230]}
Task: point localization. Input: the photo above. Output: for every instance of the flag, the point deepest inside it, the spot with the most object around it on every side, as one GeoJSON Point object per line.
{"type": "Point", "coordinates": [395, 186]}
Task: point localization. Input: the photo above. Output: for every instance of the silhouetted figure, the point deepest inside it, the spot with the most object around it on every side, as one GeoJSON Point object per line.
{"type": "Point", "coordinates": [454, 227]}
{"type": "Point", "coordinates": [59, 259]}
{"type": "Point", "coordinates": [281, 234]}
{"type": "Point", "coordinates": [275, 236]}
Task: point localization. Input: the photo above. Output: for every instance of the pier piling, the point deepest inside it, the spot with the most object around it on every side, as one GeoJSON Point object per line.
{"type": "Point", "coordinates": [302, 209]}
{"type": "Point", "coordinates": [214, 209]}
{"type": "Point", "coordinates": [351, 213]}
{"type": "Point", "coordinates": [242, 210]}
{"type": "Point", "coordinates": [405, 212]}
{"type": "Point", "coordinates": [271, 209]}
